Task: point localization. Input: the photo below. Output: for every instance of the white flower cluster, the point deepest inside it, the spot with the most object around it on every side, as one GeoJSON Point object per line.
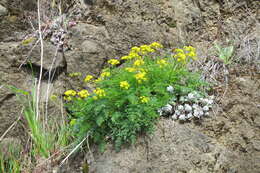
{"type": "Point", "coordinates": [194, 105]}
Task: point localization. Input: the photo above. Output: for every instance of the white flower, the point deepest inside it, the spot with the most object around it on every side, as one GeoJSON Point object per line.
{"type": "Point", "coordinates": [187, 108]}
{"type": "Point", "coordinates": [204, 101]}
{"type": "Point", "coordinates": [170, 89]}
{"type": "Point", "coordinates": [205, 108]}
{"type": "Point", "coordinates": [174, 117]}
{"type": "Point", "coordinates": [195, 106]}
{"type": "Point", "coordinates": [201, 113]}
{"type": "Point", "coordinates": [189, 115]}
{"type": "Point", "coordinates": [182, 117]}
{"type": "Point", "coordinates": [180, 107]}
{"type": "Point", "coordinates": [210, 102]}
{"type": "Point", "coordinates": [206, 113]}
{"type": "Point", "coordinates": [177, 112]}
{"type": "Point", "coordinates": [167, 108]}
{"type": "Point", "coordinates": [191, 96]}
{"type": "Point", "coordinates": [182, 99]}
{"type": "Point", "coordinates": [196, 114]}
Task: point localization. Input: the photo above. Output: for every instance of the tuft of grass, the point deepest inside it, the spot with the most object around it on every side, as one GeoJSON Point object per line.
{"type": "Point", "coordinates": [48, 137]}
{"type": "Point", "coordinates": [10, 159]}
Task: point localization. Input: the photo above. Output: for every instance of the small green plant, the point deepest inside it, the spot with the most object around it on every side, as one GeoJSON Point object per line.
{"type": "Point", "coordinates": [225, 53]}
{"type": "Point", "coordinates": [127, 98]}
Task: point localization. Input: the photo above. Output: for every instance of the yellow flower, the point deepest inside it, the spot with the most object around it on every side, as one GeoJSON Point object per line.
{"type": "Point", "coordinates": [190, 52]}
{"type": "Point", "coordinates": [140, 77]}
{"type": "Point", "coordinates": [146, 49]}
{"type": "Point", "coordinates": [73, 122]}
{"type": "Point", "coordinates": [144, 99]}
{"type": "Point", "coordinates": [124, 85]}
{"type": "Point", "coordinates": [70, 93]}
{"type": "Point", "coordinates": [133, 55]}
{"type": "Point", "coordinates": [67, 98]}
{"type": "Point", "coordinates": [180, 57]}
{"type": "Point", "coordinates": [138, 62]}
{"type": "Point", "coordinates": [162, 62]}
{"type": "Point", "coordinates": [83, 93]}
{"type": "Point", "coordinates": [130, 69]}
{"type": "Point", "coordinates": [178, 51]}
{"type": "Point", "coordinates": [156, 45]}
{"type": "Point", "coordinates": [135, 49]}
{"type": "Point", "coordinates": [105, 74]}
{"type": "Point", "coordinates": [98, 80]}
{"type": "Point", "coordinates": [100, 92]}
{"type": "Point", "coordinates": [113, 62]}
{"type": "Point", "coordinates": [125, 57]}
{"type": "Point", "coordinates": [88, 78]}
{"type": "Point", "coordinates": [189, 48]}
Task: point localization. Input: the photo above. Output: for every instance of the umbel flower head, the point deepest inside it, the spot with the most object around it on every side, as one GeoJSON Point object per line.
{"type": "Point", "coordinates": [161, 62]}
{"type": "Point", "coordinates": [83, 93]}
{"type": "Point", "coordinates": [100, 92]}
{"type": "Point", "coordinates": [138, 62]}
{"type": "Point", "coordinates": [113, 61]}
{"type": "Point", "coordinates": [124, 84]}
{"type": "Point", "coordinates": [144, 99]}
{"type": "Point", "coordinates": [70, 93]}
{"type": "Point", "coordinates": [140, 77]}
{"type": "Point", "coordinates": [88, 78]}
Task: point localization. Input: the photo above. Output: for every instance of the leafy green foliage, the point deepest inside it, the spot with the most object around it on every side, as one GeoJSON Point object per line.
{"type": "Point", "coordinates": [126, 99]}
{"type": "Point", "coordinates": [225, 53]}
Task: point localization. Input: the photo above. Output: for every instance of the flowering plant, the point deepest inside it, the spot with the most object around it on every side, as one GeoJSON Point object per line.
{"type": "Point", "coordinates": [126, 99]}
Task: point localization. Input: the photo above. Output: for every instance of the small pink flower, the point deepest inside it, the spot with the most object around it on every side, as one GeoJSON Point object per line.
{"type": "Point", "coordinates": [72, 23]}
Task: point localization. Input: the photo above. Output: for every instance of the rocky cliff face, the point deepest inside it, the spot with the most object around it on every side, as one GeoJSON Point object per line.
{"type": "Point", "coordinates": [107, 29]}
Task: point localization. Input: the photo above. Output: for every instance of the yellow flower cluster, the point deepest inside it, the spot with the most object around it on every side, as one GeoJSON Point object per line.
{"type": "Point", "coordinates": [130, 69]}
{"type": "Point", "coordinates": [140, 77]}
{"type": "Point", "coordinates": [68, 94]}
{"type": "Point", "coordinates": [182, 55]}
{"type": "Point", "coordinates": [144, 99]}
{"type": "Point", "coordinates": [190, 51]}
{"type": "Point", "coordinates": [83, 93]}
{"type": "Point", "coordinates": [88, 78]}
{"type": "Point", "coordinates": [156, 45]}
{"type": "Point", "coordinates": [71, 93]}
{"type": "Point", "coordinates": [138, 62]}
{"type": "Point", "coordinates": [100, 92]}
{"type": "Point", "coordinates": [125, 85]}
{"type": "Point", "coordinates": [113, 62]}
{"type": "Point", "coordinates": [132, 54]}
{"type": "Point", "coordinates": [162, 62]}
{"type": "Point", "coordinates": [136, 52]}
{"type": "Point", "coordinates": [105, 74]}
{"type": "Point", "coordinates": [145, 49]}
